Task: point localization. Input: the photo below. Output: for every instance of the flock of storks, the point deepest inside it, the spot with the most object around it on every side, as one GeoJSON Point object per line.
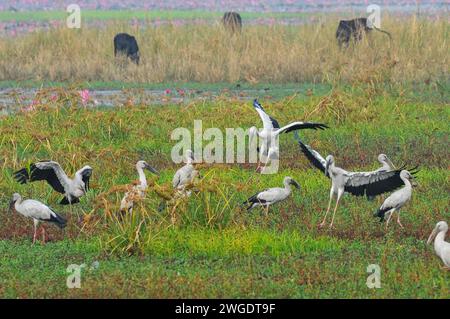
{"type": "Point", "coordinates": [385, 179]}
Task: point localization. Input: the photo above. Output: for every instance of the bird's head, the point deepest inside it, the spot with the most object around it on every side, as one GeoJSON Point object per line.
{"type": "Point", "coordinates": [290, 181]}
{"type": "Point", "coordinates": [14, 199]}
{"type": "Point", "coordinates": [383, 158]}
{"type": "Point", "coordinates": [329, 161]}
{"type": "Point", "coordinates": [86, 170]}
{"type": "Point", "coordinates": [441, 226]}
{"type": "Point", "coordinates": [407, 175]}
{"type": "Point", "coordinates": [145, 165]}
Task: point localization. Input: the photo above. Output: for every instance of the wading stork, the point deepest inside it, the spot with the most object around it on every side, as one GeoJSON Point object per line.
{"type": "Point", "coordinates": [138, 191]}
{"type": "Point", "coordinates": [50, 171]}
{"type": "Point", "coordinates": [441, 247]}
{"type": "Point", "coordinates": [186, 174]}
{"type": "Point", "coordinates": [356, 183]}
{"type": "Point", "coordinates": [271, 196]}
{"type": "Point", "coordinates": [397, 199]}
{"type": "Point", "coordinates": [271, 131]}
{"type": "Point", "coordinates": [38, 212]}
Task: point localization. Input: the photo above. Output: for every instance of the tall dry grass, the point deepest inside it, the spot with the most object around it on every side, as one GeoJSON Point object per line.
{"type": "Point", "coordinates": [207, 53]}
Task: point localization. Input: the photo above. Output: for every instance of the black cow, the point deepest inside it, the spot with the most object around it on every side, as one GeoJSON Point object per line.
{"type": "Point", "coordinates": [354, 29]}
{"type": "Point", "coordinates": [232, 21]}
{"type": "Point", "coordinates": [126, 44]}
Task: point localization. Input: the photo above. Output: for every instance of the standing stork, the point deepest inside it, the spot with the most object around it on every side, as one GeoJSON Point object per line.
{"type": "Point", "coordinates": [271, 196]}
{"type": "Point", "coordinates": [397, 199]}
{"type": "Point", "coordinates": [138, 191]}
{"type": "Point", "coordinates": [50, 171]}
{"type": "Point", "coordinates": [271, 131]}
{"type": "Point", "coordinates": [186, 174]}
{"type": "Point", "coordinates": [38, 212]}
{"type": "Point", "coordinates": [356, 183]}
{"type": "Point", "coordinates": [441, 247]}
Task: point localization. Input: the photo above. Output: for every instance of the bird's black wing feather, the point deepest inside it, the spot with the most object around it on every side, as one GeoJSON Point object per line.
{"type": "Point", "coordinates": [85, 176]}
{"type": "Point", "coordinates": [375, 183]}
{"type": "Point", "coordinates": [65, 201]}
{"type": "Point", "coordinates": [306, 125]}
{"type": "Point", "coordinates": [308, 152]}
{"type": "Point", "coordinates": [35, 174]}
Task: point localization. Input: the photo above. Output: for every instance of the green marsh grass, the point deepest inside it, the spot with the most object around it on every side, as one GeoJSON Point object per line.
{"type": "Point", "coordinates": [215, 248]}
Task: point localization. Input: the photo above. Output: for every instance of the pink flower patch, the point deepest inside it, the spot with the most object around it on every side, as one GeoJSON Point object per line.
{"type": "Point", "coordinates": [85, 96]}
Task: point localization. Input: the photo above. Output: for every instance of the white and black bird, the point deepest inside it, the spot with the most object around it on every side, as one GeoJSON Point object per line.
{"type": "Point", "coordinates": [38, 211]}
{"type": "Point", "coordinates": [397, 199]}
{"type": "Point", "coordinates": [271, 196]}
{"type": "Point", "coordinates": [441, 247]}
{"type": "Point", "coordinates": [138, 191]}
{"type": "Point", "coordinates": [369, 184]}
{"type": "Point", "coordinates": [50, 171]}
{"type": "Point", "coordinates": [186, 174]}
{"type": "Point", "coordinates": [271, 130]}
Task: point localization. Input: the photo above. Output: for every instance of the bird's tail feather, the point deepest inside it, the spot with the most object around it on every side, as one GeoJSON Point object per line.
{"type": "Point", "coordinates": [60, 221]}
{"type": "Point", "coordinates": [380, 213]}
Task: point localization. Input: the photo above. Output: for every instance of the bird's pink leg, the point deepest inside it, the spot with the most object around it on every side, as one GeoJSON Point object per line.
{"type": "Point", "coordinates": [398, 220]}
{"type": "Point", "coordinates": [335, 208]}
{"type": "Point", "coordinates": [328, 209]}
{"type": "Point", "coordinates": [43, 234]}
{"type": "Point", "coordinates": [389, 218]}
{"type": "Point", "coordinates": [35, 231]}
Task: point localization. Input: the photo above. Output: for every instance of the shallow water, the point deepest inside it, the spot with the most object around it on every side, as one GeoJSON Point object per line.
{"type": "Point", "coordinates": [13, 99]}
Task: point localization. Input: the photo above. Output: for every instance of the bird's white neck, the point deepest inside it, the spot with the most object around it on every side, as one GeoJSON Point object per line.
{"type": "Point", "coordinates": [407, 182]}
{"type": "Point", "coordinates": [142, 178]}
{"type": "Point", "coordinates": [17, 203]}
{"type": "Point", "coordinates": [440, 238]}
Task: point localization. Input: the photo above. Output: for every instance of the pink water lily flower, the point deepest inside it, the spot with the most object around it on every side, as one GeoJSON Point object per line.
{"type": "Point", "coordinates": [168, 91]}
{"type": "Point", "coordinates": [85, 97]}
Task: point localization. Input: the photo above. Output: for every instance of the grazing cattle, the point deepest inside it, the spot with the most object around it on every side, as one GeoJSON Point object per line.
{"type": "Point", "coordinates": [355, 29]}
{"type": "Point", "coordinates": [126, 44]}
{"type": "Point", "coordinates": [232, 21]}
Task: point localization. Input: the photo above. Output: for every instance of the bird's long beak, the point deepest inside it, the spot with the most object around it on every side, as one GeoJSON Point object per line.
{"type": "Point", "coordinates": [11, 205]}
{"type": "Point", "coordinates": [432, 235]}
{"type": "Point", "coordinates": [390, 163]}
{"type": "Point", "coordinates": [327, 167]}
{"type": "Point", "coordinates": [297, 185]}
{"type": "Point", "coordinates": [414, 182]}
{"type": "Point", "coordinates": [151, 169]}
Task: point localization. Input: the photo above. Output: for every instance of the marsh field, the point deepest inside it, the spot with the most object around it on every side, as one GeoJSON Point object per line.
{"type": "Point", "coordinates": [379, 96]}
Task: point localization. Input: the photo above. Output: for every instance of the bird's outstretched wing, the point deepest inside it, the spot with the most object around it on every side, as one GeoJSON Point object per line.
{"type": "Point", "coordinates": [45, 170]}
{"type": "Point", "coordinates": [301, 126]}
{"type": "Point", "coordinates": [313, 156]}
{"type": "Point", "coordinates": [268, 122]}
{"type": "Point", "coordinates": [374, 183]}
